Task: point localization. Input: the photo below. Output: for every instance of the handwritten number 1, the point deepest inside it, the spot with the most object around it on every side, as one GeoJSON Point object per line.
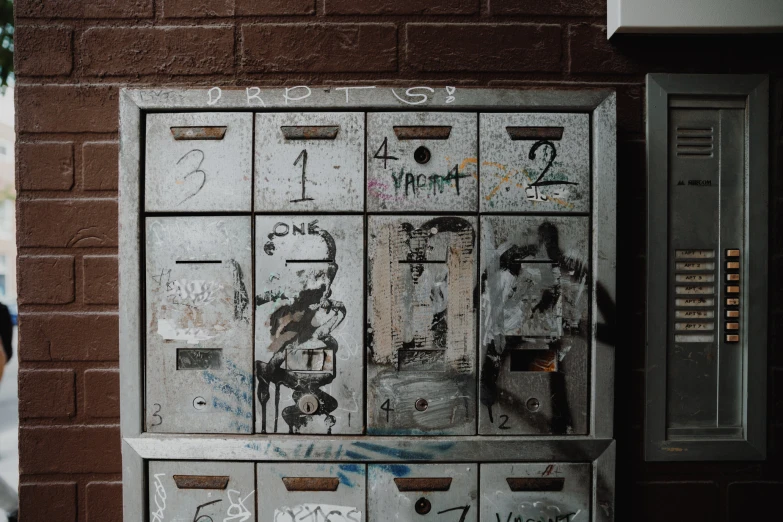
{"type": "Point", "coordinates": [303, 157]}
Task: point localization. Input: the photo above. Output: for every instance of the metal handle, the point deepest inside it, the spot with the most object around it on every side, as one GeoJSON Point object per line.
{"type": "Point", "coordinates": [423, 484]}
{"type": "Point", "coordinates": [311, 483]}
{"type": "Point", "coordinates": [201, 481]}
{"type": "Point", "coordinates": [422, 132]}
{"type": "Point", "coordinates": [198, 133]}
{"type": "Point", "coordinates": [535, 133]}
{"type": "Point", "coordinates": [535, 484]}
{"type": "Point", "coordinates": [310, 132]}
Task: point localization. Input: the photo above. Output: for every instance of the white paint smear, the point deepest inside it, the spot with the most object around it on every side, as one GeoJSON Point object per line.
{"type": "Point", "coordinates": [317, 513]}
{"type": "Point", "coordinates": [170, 332]}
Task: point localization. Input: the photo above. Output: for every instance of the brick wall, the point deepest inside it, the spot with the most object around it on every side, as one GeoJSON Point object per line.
{"type": "Point", "coordinates": [73, 56]}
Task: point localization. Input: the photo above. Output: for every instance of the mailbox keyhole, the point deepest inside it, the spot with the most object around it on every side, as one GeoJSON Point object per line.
{"type": "Point", "coordinates": [308, 404]}
{"type": "Point", "coordinates": [423, 506]}
{"type": "Point", "coordinates": [422, 155]}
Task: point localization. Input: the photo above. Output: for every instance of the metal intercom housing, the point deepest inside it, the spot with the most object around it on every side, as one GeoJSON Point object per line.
{"type": "Point", "coordinates": [363, 302]}
{"type": "Point", "coordinates": [706, 267]}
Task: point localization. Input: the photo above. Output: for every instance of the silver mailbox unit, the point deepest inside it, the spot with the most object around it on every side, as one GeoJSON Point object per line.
{"type": "Point", "coordinates": [367, 304]}
{"type": "Point", "coordinates": [707, 267]}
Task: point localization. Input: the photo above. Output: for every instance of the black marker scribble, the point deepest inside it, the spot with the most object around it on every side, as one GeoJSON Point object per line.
{"type": "Point", "coordinates": [197, 170]}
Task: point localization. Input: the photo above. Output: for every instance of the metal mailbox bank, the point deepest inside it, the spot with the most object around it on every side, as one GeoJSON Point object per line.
{"type": "Point", "coordinates": [367, 304]}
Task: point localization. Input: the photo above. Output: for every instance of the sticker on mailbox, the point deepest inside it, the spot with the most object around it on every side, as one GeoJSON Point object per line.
{"type": "Point", "coordinates": [199, 344]}
{"type": "Point", "coordinates": [309, 162]}
{"type": "Point", "coordinates": [535, 162]}
{"type": "Point", "coordinates": [309, 287]}
{"type": "Point", "coordinates": [421, 331]}
{"type": "Point", "coordinates": [421, 161]}
{"type": "Point", "coordinates": [534, 331]}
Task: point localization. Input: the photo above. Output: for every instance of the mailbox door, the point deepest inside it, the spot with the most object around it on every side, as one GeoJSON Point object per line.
{"type": "Point", "coordinates": [556, 492]}
{"type": "Point", "coordinates": [317, 492]}
{"type": "Point", "coordinates": [423, 492]}
{"type": "Point", "coordinates": [199, 376]}
{"type": "Point", "coordinates": [421, 333]}
{"type": "Point", "coordinates": [535, 162]}
{"type": "Point", "coordinates": [198, 162]}
{"type": "Point", "coordinates": [309, 291]}
{"type": "Point", "coordinates": [534, 325]}
{"type": "Point", "coordinates": [309, 161]}
{"type": "Point", "coordinates": [201, 491]}
{"type": "Point", "coordinates": [421, 161]}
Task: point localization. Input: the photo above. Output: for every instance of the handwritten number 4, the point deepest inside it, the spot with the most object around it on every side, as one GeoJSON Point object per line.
{"type": "Point", "coordinates": [385, 157]}
{"type": "Point", "coordinates": [387, 408]}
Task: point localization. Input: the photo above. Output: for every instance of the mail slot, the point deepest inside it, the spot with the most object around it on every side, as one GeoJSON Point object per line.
{"type": "Point", "coordinates": [535, 162]}
{"type": "Point", "coordinates": [309, 363]}
{"type": "Point", "coordinates": [199, 352]}
{"type": "Point", "coordinates": [534, 325]}
{"type": "Point", "coordinates": [413, 492]}
{"type": "Point", "coordinates": [421, 315]}
{"type": "Point", "coordinates": [203, 491]}
{"type": "Point", "coordinates": [421, 161]}
{"type": "Point", "coordinates": [309, 162]}
{"type": "Point", "coordinates": [198, 162]}
{"type": "Point", "coordinates": [296, 492]}
{"type": "Point", "coordinates": [556, 492]}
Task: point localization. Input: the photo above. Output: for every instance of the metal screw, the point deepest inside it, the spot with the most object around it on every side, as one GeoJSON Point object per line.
{"type": "Point", "coordinates": [308, 404]}
{"type": "Point", "coordinates": [422, 155]}
{"type": "Point", "coordinates": [533, 404]}
{"type": "Point", "coordinates": [422, 404]}
{"type": "Point", "coordinates": [199, 403]}
{"type": "Point", "coordinates": [422, 506]}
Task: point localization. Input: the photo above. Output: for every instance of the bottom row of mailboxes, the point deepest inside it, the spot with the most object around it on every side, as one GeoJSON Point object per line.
{"type": "Point", "coordinates": [337, 492]}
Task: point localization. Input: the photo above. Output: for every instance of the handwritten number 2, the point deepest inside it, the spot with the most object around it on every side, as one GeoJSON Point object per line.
{"type": "Point", "coordinates": [503, 421]}
{"type": "Point", "coordinates": [197, 170]}
{"type": "Point", "coordinates": [156, 414]}
{"type": "Point", "coordinates": [303, 158]}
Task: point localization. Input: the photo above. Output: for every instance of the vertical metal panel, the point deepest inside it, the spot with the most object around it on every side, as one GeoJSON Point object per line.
{"type": "Point", "coordinates": [555, 491]}
{"type": "Point", "coordinates": [535, 171]}
{"type": "Point", "coordinates": [278, 504]}
{"type": "Point", "coordinates": [535, 296]}
{"type": "Point", "coordinates": [422, 171]}
{"type": "Point", "coordinates": [427, 500]}
{"type": "Point", "coordinates": [195, 174]}
{"type": "Point", "coordinates": [309, 292]}
{"type": "Point", "coordinates": [170, 503]}
{"type": "Point", "coordinates": [300, 171]}
{"type": "Point", "coordinates": [198, 297]}
{"type": "Point", "coordinates": [421, 314]}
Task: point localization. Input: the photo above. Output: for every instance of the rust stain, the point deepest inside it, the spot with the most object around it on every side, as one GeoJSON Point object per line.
{"type": "Point", "coordinates": [535, 133]}
{"type": "Point", "coordinates": [311, 483]}
{"type": "Point", "coordinates": [310, 132]}
{"type": "Point", "coordinates": [201, 481]}
{"type": "Point", "coordinates": [535, 484]}
{"type": "Point", "coordinates": [422, 132]}
{"type": "Point", "coordinates": [198, 133]}
{"type": "Point", "coordinates": [674, 450]}
{"type": "Point", "coordinates": [423, 484]}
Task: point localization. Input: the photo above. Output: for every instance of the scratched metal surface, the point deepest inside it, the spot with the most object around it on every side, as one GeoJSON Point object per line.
{"type": "Point", "coordinates": [168, 503]}
{"type": "Point", "coordinates": [396, 181]}
{"type": "Point", "coordinates": [309, 317]}
{"type": "Point", "coordinates": [421, 331]}
{"type": "Point", "coordinates": [198, 175]}
{"type": "Point", "coordinates": [345, 504]}
{"type": "Point", "coordinates": [535, 175]}
{"type": "Point", "coordinates": [570, 504]}
{"type": "Point", "coordinates": [388, 500]}
{"type": "Point", "coordinates": [534, 348]}
{"type": "Point", "coordinates": [199, 305]}
{"type": "Point", "coordinates": [304, 175]}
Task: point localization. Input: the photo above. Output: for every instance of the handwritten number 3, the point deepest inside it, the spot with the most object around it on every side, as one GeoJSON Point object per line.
{"type": "Point", "coordinates": [197, 170]}
{"type": "Point", "coordinates": [156, 414]}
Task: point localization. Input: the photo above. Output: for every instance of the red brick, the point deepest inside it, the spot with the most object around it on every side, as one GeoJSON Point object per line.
{"type": "Point", "coordinates": [45, 279]}
{"type": "Point", "coordinates": [483, 47]}
{"type": "Point", "coordinates": [46, 393]}
{"type": "Point", "coordinates": [197, 8]}
{"type": "Point", "coordinates": [112, 51]}
{"type": "Point", "coordinates": [319, 47]}
{"type": "Point", "coordinates": [45, 165]}
{"type": "Point", "coordinates": [66, 108]}
{"type": "Point", "coordinates": [102, 393]}
{"type": "Point", "coordinates": [69, 337]}
{"type": "Point", "coordinates": [754, 501]}
{"type": "Point", "coordinates": [84, 8]}
{"type": "Point", "coordinates": [73, 223]}
{"type": "Point", "coordinates": [50, 502]}
{"type": "Point", "coordinates": [591, 52]}
{"type": "Point", "coordinates": [104, 502]}
{"type": "Point", "coordinates": [275, 7]}
{"type": "Point", "coordinates": [401, 7]}
{"type": "Point", "coordinates": [78, 449]}
{"type": "Point", "coordinates": [100, 165]}
{"type": "Point", "coordinates": [548, 7]}
{"type": "Point", "coordinates": [48, 51]}
{"type": "Point", "coordinates": [630, 100]}
{"type": "Point", "coordinates": [100, 279]}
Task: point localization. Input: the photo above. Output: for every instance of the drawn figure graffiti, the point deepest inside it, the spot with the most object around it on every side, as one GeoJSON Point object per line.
{"type": "Point", "coordinates": [300, 317]}
{"type": "Point", "coordinates": [534, 313]}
